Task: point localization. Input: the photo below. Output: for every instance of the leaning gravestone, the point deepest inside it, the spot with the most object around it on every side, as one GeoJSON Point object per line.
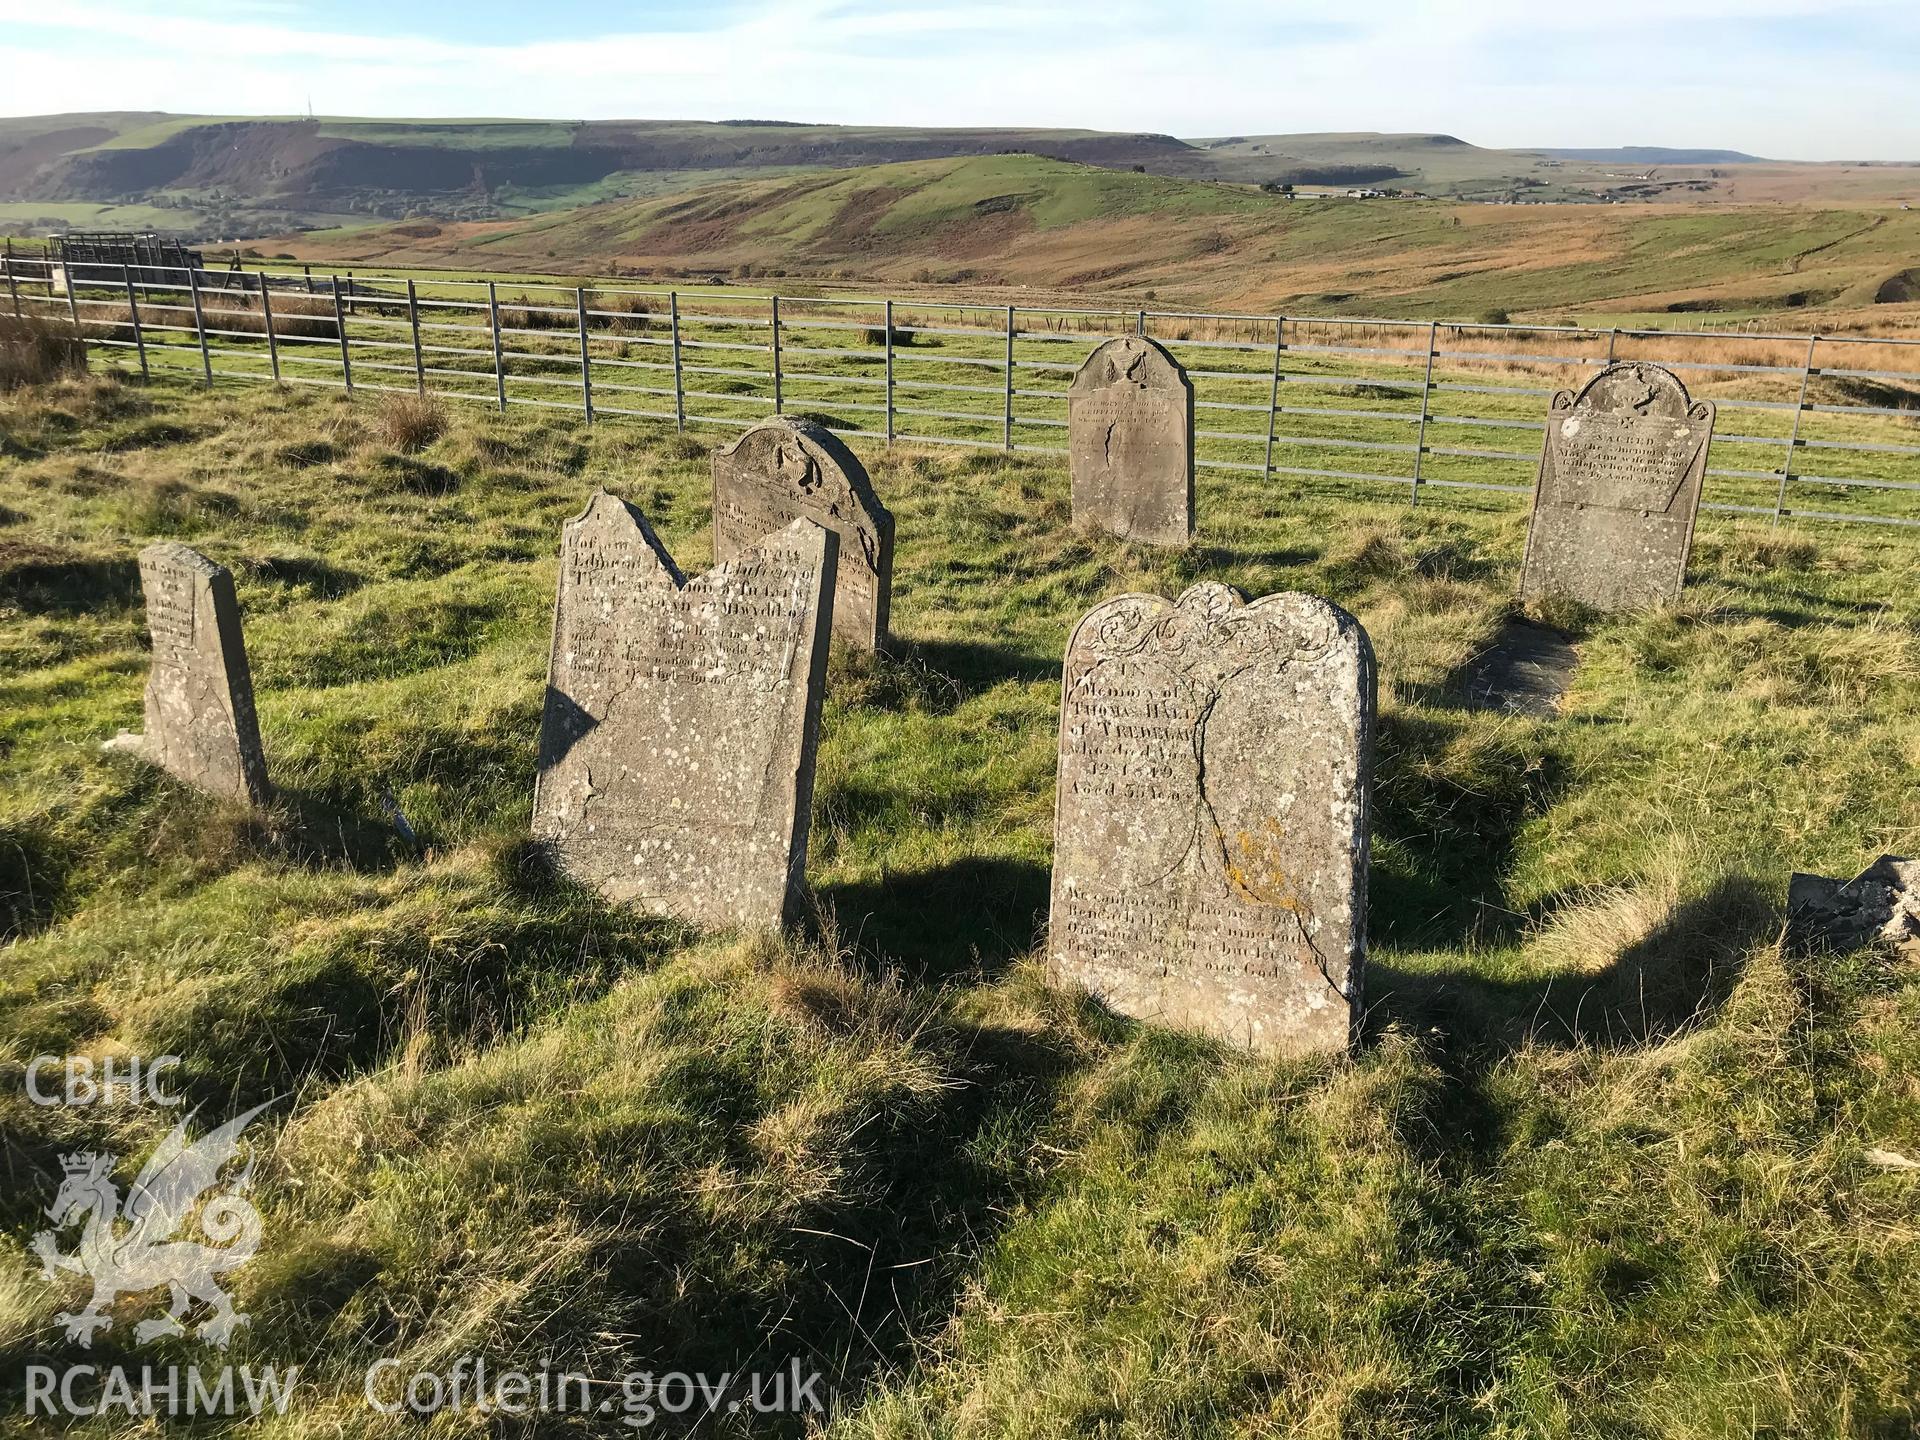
{"type": "Point", "coordinates": [200, 722]}
{"type": "Point", "coordinates": [1130, 443]}
{"type": "Point", "coordinates": [1210, 824]}
{"type": "Point", "coordinates": [783, 470]}
{"type": "Point", "coordinates": [1618, 490]}
{"type": "Point", "coordinates": [677, 744]}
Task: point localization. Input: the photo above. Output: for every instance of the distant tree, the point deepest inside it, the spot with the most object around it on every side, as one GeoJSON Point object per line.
{"type": "Point", "coordinates": [1278, 187]}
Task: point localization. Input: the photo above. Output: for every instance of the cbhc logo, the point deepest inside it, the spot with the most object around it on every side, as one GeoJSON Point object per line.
{"type": "Point", "coordinates": [116, 1080]}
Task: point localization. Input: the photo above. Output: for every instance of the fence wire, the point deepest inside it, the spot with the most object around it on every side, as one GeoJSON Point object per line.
{"type": "Point", "coordinates": [1813, 427]}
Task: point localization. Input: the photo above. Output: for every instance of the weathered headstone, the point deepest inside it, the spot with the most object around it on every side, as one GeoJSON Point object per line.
{"type": "Point", "coordinates": [1130, 443]}
{"type": "Point", "coordinates": [677, 745]}
{"type": "Point", "coordinates": [200, 721]}
{"type": "Point", "coordinates": [785, 469]}
{"type": "Point", "coordinates": [1210, 825]}
{"type": "Point", "coordinates": [1618, 489]}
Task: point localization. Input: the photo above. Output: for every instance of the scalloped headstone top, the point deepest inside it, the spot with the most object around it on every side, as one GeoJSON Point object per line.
{"type": "Point", "coordinates": [1210, 826]}
{"type": "Point", "coordinates": [1621, 471]}
{"type": "Point", "coordinates": [1130, 443]}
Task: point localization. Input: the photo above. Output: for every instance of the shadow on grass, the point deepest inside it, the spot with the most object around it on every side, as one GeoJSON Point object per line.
{"type": "Point", "coordinates": [51, 580]}
{"type": "Point", "coordinates": [1450, 796]}
{"type": "Point", "coordinates": [971, 918]}
{"type": "Point", "coordinates": [1676, 975]}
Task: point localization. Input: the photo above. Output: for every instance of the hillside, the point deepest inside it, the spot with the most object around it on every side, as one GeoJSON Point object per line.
{"type": "Point", "coordinates": [1027, 223]}
{"type": "Point", "coordinates": [216, 177]}
{"type": "Point", "coordinates": [241, 176]}
{"type": "Point", "coordinates": [1604, 1166]}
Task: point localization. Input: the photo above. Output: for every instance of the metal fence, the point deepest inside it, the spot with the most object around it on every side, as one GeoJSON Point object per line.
{"type": "Point", "coordinates": [1818, 427]}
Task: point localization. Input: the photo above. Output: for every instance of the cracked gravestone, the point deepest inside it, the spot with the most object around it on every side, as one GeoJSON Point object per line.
{"type": "Point", "coordinates": [200, 721]}
{"type": "Point", "coordinates": [677, 743]}
{"type": "Point", "coordinates": [785, 469]}
{"type": "Point", "coordinates": [1130, 443]}
{"type": "Point", "coordinates": [1210, 822]}
{"type": "Point", "coordinates": [1618, 489]}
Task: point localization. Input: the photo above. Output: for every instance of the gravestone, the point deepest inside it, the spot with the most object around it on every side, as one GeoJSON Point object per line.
{"type": "Point", "coordinates": [200, 721]}
{"type": "Point", "coordinates": [677, 744]}
{"type": "Point", "coordinates": [1619, 486]}
{"type": "Point", "coordinates": [1130, 443]}
{"type": "Point", "coordinates": [1210, 822]}
{"type": "Point", "coordinates": [783, 470]}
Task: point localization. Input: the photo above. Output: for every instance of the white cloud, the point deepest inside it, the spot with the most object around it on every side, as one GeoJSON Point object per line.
{"type": "Point", "coordinates": [1503, 72]}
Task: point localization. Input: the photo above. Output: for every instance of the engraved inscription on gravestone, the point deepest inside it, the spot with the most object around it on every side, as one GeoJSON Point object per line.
{"type": "Point", "coordinates": [1621, 471]}
{"type": "Point", "coordinates": [200, 721]}
{"type": "Point", "coordinates": [1130, 443]}
{"type": "Point", "coordinates": [677, 743]}
{"type": "Point", "coordinates": [1210, 825]}
{"type": "Point", "coordinates": [785, 469]}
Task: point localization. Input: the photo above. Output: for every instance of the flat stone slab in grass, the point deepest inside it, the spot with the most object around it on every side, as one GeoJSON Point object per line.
{"type": "Point", "coordinates": [1526, 671]}
{"type": "Point", "coordinates": [677, 744]}
{"type": "Point", "coordinates": [1210, 826]}
{"type": "Point", "coordinates": [1618, 490]}
{"type": "Point", "coordinates": [1130, 443]}
{"type": "Point", "coordinates": [783, 470]}
{"type": "Point", "coordinates": [1880, 905]}
{"type": "Point", "coordinates": [200, 721]}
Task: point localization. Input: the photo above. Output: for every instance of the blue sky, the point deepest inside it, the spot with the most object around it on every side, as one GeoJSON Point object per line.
{"type": "Point", "coordinates": [1788, 78]}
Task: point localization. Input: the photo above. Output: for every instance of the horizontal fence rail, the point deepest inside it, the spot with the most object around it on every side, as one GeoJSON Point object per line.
{"type": "Point", "coordinates": [1815, 427]}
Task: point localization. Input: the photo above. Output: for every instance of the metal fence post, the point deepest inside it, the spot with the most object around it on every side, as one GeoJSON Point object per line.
{"type": "Point", "coordinates": [887, 320]}
{"type": "Point", "coordinates": [133, 314]}
{"type": "Point", "coordinates": [307, 271]}
{"type": "Point", "coordinates": [413, 320]}
{"type": "Point", "coordinates": [1426, 407]}
{"type": "Point", "coordinates": [679, 387]}
{"type": "Point", "coordinates": [73, 309]}
{"type": "Point", "coordinates": [1273, 395]}
{"type": "Point", "coordinates": [1006, 427]}
{"type": "Point", "coordinates": [1613, 340]}
{"type": "Point", "coordinates": [1140, 323]}
{"type": "Point", "coordinates": [200, 326]}
{"type": "Point", "coordinates": [13, 285]}
{"type": "Point", "coordinates": [266, 318]}
{"type": "Point", "coordinates": [499, 370]}
{"type": "Point", "coordinates": [586, 365]}
{"type": "Point", "coordinates": [779, 400]}
{"type": "Point", "coordinates": [340, 327]}
{"type": "Point", "coordinates": [1793, 440]}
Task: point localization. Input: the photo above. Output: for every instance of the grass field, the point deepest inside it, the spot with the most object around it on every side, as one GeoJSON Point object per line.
{"type": "Point", "coordinates": [1599, 1169]}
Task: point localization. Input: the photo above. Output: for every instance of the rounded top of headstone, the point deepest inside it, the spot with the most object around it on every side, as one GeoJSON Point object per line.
{"type": "Point", "coordinates": [1130, 360]}
{"type": "Point", "coordinates": [1635, 388]}
{"type": "Point", "coordinates": [789, 442]}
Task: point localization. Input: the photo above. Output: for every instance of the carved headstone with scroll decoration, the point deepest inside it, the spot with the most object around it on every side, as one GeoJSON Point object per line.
{"type": "Point", "coordinates": [785, 469]}
{"type": "Point", "coordinates": [1130, 443]}
{"type": "Point", "coordinates": [677, 744]}
{"type": "Point", "coordinates": [1210, 823]}
{"type": "Point", "coordinates": [1619, 487]}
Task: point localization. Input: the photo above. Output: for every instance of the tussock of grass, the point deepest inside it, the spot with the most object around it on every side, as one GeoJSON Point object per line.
{"type": "Point", "coordinates": [1598, 1170]}
{"type": "Point", "coordinates": [410, 423]}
